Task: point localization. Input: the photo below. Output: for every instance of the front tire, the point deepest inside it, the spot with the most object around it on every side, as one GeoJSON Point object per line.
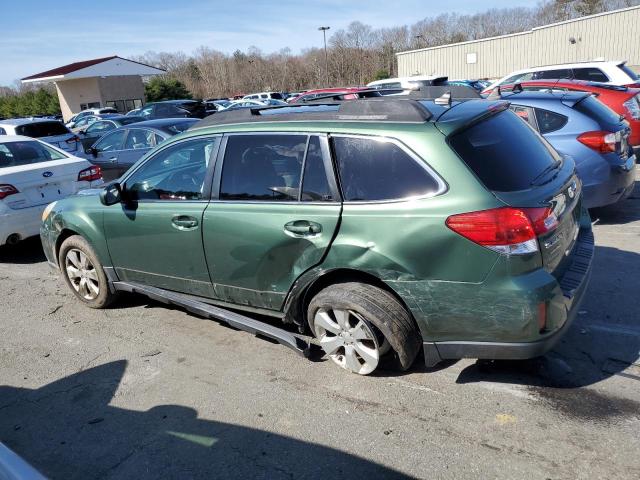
{"type": "Point", "coordinates": [83, 273]}
{"type": "Point", "coordinates": [361, 327]}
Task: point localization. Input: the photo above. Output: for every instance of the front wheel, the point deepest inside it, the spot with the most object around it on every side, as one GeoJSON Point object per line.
{"type": "Point", "coordinates": [361, 327]}
{"type": "Point", "coordinates": [83, 273]}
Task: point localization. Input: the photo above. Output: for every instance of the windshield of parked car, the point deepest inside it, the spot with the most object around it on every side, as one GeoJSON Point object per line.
{"type": "Point", "coordinates": [42, 129]}
{"type": "Point", "coordinates": [504, 152]}
{"type": "Point", "coordinates": [15, 154]}
{"type": "Point", "coordinates": [178, 127]}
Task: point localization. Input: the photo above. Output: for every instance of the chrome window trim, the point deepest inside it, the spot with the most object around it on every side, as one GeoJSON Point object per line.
{"type": "Point", "coordinates": [442, 185]}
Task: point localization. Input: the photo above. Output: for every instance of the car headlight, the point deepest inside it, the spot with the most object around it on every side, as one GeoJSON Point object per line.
{"type": "Point", "coordinates": [47, 210]}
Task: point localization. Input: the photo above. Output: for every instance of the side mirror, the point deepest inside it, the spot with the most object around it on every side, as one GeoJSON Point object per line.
{"type": "Point", "coordinates": [111, 194]}
{"type": "Point", "coordinates": [91, 151]}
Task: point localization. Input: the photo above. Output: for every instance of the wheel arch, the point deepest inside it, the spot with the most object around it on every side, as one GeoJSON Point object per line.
{"type": "Point", "coordinates": [310, 284]}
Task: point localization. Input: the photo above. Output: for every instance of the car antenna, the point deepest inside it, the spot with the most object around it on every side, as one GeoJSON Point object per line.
{"type": "Point", "coordinates": [444, 99]}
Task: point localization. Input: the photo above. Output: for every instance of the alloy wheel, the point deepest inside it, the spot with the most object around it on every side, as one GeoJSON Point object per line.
{"type": "Point", "coordinates": [349, 340]}
{"type": "Point", "coordinates": [82, 274]}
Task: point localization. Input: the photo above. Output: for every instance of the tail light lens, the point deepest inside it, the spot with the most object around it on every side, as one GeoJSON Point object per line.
{"type": "Point", "coordinates": [508, 230]}
{"type": "Point", "coordinates": [6, 190]}
{"type": "Point", "coordinates": [633, 107]}
{"type": "Point", "coordinates": [600, 140]}
{"type": "Point", "coordinates": [90, 174]}
{"type": "Point", "coordinates": [542, 316]}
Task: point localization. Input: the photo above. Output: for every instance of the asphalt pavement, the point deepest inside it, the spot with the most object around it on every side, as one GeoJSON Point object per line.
{"type": "Point", "coordinates": [143, 391]}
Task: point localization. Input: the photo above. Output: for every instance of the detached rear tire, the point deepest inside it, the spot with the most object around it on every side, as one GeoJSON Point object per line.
{"type": "Point", "coordinates": [361, 327]}
{"type": "Point", "coordinates": [83, 273]}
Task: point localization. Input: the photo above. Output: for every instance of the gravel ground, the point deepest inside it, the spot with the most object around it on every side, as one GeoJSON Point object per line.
{"type": "Point", "coordinates": [143, 391]}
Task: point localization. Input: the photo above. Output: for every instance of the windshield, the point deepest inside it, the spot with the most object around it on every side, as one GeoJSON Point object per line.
{"type": "Point", "coordinates": [504, 152]}
{"type": "Point", "coordinates": [178, 127]}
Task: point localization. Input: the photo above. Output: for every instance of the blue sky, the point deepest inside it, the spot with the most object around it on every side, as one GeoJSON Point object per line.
{"type": "Point", "coordinates": [41, 34]}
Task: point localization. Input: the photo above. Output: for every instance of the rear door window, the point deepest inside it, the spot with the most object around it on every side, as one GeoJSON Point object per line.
{"type": "Point", "coordinates": [525, 113]}
{"type": "Point", "coordinates": [590, 74]}
{"type": "Point", "coordinates": [505, 153]}
{"type": "Point", "coordinates": [42, 129]}
{"type": "Point", "coordinates": [549, 121]}
{"type": "Point", "coordinates": [315, 185]}
{"type": "Point", "coordinates": [375, 169]}
{"type": "Point", "coordinates": [139, 138]}
{"type": "Point", "coordinates": [553, 74]}
{"type": "Point", "coordinates": [264, 167]}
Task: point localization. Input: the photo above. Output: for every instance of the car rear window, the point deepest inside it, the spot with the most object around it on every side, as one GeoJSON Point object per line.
{"type": "Point", "coordinates": [277, 96]}
{"type": "Point", "coordinates": [14, 154]}
{"type": "Point", "coordinates": [597, 110]}
{"type": "Point", "coordinates": [178, 127]}
{"type": "Point", "coordinates": [590, 74]}
{"type": "Point", "coordinates": [374, 169]}
{"type": "Point", "coordinates": [632, 75]}
{"type": "Point", "coordinates": [42, 129]}
{"type": "Point", "coordinates": [505, 153]}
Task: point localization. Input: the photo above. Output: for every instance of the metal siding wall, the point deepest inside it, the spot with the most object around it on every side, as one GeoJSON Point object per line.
{"type": "Point", "coordinates": [611, 36]}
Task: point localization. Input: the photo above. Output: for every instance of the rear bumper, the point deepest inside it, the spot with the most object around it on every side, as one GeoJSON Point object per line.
{"type": "Point", "coordinates": [573, 286]}
{"type": "Point", "coordinates": [24, 222]}
{"type": "Point", "coordinates": [617, 187]}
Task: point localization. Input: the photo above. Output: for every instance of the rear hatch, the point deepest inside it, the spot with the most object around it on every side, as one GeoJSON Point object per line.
{"type": "Point", "coordinates": [609, 122]}
{"type": "Point", "coordinates": [523, 171]}
{"type": "Point", "coordinates": [43, 183]}
{"type": "Point", "coordinates": [52, 132]}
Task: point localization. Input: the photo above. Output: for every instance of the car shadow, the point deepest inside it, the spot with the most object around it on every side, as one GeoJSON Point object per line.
{"type": "Point", "coordinates": [604, 339]}
{"type": "Point", "coordinates": [68, 429]}
{"type": "Point", "coordinates": [26, 252]}
{"type": "Point", "coordinates": [626, 211]}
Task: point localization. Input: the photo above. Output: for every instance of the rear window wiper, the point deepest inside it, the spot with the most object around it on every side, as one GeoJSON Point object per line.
{"type": "Point", "coordinates": [554, 166]}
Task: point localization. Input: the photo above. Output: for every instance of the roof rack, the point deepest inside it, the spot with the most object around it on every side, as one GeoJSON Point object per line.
{"type": "Point", "coordinates": [385, 109]}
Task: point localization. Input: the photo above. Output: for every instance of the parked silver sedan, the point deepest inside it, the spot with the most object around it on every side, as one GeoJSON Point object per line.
{"type": "Point", "coordinates": [119, 149]}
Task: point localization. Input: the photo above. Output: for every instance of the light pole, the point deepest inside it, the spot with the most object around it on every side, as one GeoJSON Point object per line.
{"type": "Point", "coordinates": [326, 61]}
{"type": "Point", "coordinates": [418, 40]}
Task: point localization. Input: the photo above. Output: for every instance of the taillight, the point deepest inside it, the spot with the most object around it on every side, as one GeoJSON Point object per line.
{"type": "Point", "coordinates": [633, 107]}
{"type": "Point", "coordinates": [506, 230]}
{"type": "Point", "coordinates": [72, 140]}
{"type": "Point", "coordinates": [6, 190]}
{"type": "Point", "coordinates": [90, 174]}
{"type": "Point", "coordinates": [542, 316]}
{"type": "Point", "coordinates": [600, 141]}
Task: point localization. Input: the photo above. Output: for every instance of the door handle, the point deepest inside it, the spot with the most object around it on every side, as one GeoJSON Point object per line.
{"type": "Point", "coordinates": [303, 228]}
{"type": "Point", "coordinates": [184, 222]}
{"type": "Point", "coordinates": [113, 159]}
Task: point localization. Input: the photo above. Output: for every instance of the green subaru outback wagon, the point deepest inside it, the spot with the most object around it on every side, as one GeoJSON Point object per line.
{"type": "Point", "coordinates": [374, 228]}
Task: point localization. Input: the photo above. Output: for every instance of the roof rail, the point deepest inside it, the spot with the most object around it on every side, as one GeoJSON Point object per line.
{"type": "Point", "coordinates": [389, 109]}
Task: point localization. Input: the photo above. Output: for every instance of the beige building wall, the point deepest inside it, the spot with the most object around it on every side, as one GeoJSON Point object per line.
{"type": "Point", "coordinates": [73, 93]}
{"type": "Point", "coordinates": [120, 88]}
{"type": "Point", "coordinates": [608, 36]}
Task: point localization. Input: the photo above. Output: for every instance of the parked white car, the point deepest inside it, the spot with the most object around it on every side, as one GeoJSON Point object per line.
{"type": "Point", "coordinates": [264, 96]}
{"type": "Point", "coordinates": [50, 131]}
{"type": "Point", "coordinates": [611, 72]}
{"type": "Point", "coordinates": [89, 111]}
{"type": "Point", "coordinates": [33, 174]}
{"type": "Point", "coordinates": [405, 83]}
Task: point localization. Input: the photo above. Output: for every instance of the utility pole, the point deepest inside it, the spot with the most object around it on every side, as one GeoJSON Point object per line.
{"type": "Point", "coordinates": [326, 61]}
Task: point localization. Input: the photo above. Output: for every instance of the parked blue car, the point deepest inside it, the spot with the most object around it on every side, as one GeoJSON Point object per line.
{"type": "Point", "coordinates": [578, 125]}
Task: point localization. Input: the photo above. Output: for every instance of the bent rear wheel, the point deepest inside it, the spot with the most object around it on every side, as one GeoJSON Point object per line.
{"type": "Point", "coordinates": [361, 328]}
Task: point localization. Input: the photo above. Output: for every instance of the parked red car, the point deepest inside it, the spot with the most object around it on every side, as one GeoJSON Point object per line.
{"type": "Point", "coordinates": [620, 99]}
{"type": "Point", "coordinates": [322, 92]}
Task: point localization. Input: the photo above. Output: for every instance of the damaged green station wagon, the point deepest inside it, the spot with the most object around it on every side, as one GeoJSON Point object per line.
{"type": "Point", "coordinates": [377, 227]}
